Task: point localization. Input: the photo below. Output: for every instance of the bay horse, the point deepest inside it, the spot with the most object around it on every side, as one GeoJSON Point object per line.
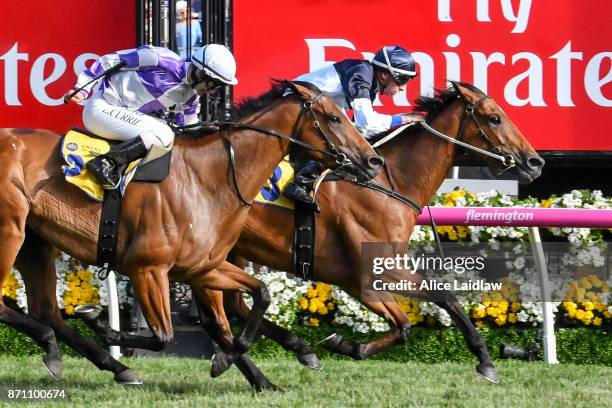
{"type": "Point", "coordinates": [178, 230]}
{"type": "Point", "coordinates": [417, 163]}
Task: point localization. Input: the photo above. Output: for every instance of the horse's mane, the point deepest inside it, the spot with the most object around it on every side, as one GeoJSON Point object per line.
{"type": "Point", "coordinates": [248, 106]}
{"type": "Point", "coordinates": [432, 106]}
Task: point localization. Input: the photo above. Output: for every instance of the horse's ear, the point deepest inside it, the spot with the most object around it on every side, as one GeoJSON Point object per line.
{"type": "Point", "coordinates": [470, 96]}
{"type": "Point", "coordinates": [301, 90]}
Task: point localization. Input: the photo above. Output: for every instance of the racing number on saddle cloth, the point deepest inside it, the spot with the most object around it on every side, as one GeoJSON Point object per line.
{"type": "Point", "coordinates": [272, 192]}
{"type": "Point", "coordinates": [77, 149]}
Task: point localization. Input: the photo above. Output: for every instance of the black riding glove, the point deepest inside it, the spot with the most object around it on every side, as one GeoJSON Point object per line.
{"type": "Point", "coordinates": [201, 129]}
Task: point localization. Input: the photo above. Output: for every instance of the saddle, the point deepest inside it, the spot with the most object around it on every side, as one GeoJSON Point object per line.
{"type": "Point", "coordinates": [80, 146]}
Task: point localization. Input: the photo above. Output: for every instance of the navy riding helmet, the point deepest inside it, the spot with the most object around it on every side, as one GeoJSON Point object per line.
{"type": "Point", "coordinates": [399, 62]}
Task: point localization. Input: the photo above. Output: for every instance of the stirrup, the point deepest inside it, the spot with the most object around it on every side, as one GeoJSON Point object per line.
{"type": "Point", "coordinates": [100, 167]}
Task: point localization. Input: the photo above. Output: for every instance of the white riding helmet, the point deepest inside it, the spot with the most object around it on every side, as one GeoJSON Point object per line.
{"type": "Point", "coordinates": [217, 62]}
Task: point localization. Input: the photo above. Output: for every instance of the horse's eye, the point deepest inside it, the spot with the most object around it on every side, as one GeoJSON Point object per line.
{"type": "Point", "coordinates": [333, 119]}
{"type": "Point", "coordinates": [495, 119]}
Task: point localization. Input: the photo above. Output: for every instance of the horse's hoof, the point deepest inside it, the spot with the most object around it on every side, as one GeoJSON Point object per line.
{"type": "Point", "coordinates": [88, 311]}
{"type": "Point", "coordinates": [310, 361]}
{"type": "Point", "coordinates": [54, 366]}
{"type": "Point", "coordinates": [128, 377]}
{"type": "Point", "coordinates": [487, 371]}
{"type": "Point", "coordinates": [330, 342]}
{"type": "Point", "coordinates": [268, 386]}
{"type": "Point", "coordinates": [220, 363]}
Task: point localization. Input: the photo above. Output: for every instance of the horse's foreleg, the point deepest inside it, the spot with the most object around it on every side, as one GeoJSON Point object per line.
{"type": "Point", "coordinates": [215, 323]}
{"type": "Point", "coordinates": [36, 262]}
{"type": "Point", "coordinates": [228, 277]}
{"type": "Point", "coordinates": [475, 342]}
{"type": "Point", "coordinates": [235, 307]}
{"type": "Point", "coordinates": [152, 290]}
{"type": "Point", "coordinates": [391, 312]}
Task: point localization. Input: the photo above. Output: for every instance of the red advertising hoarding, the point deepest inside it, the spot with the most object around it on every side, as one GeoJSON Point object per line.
{"type": "Point", "coordinates": [44, 44]}
{"type": "Point", "coordinates": [547, 62]}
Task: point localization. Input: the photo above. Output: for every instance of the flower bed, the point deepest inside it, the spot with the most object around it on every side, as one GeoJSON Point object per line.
{"type": "Point", "coordinates": [296, 302]}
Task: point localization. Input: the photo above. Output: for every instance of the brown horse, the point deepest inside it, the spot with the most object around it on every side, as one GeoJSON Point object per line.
{"type": "Point", "coordinates": [350, 214]}
{"type": "Point", "coordinates": [180, 229]}
{"type": "Point", "coordinates": [417, 164]}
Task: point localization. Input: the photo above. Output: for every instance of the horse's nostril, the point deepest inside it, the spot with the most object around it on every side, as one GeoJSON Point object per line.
{"type": "Point", "coordinates": [535, 162]}
{"type": "Point", "coordinates": [376, 162]}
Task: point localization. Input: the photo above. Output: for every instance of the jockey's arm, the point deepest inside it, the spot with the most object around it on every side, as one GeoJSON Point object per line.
{"type": "Point", "coordinates": [134, 59]}
{"type": "Point", "coordinates": [370, 122]}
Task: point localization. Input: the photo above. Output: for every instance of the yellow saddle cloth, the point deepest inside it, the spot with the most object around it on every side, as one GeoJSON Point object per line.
{"type": "Point", "coordinates": [272, 192]}
{"type": "Point", "coordinates": [77, 150]}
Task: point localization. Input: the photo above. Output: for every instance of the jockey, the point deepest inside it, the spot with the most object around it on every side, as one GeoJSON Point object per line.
{"type": "Point", "coordinates": [153, 80]}
{"type": "Point", "coordinates": [354, 84]}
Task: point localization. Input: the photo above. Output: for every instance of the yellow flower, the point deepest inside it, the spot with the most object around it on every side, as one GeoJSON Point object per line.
{"type": "Point", "coordinates": [571, 313]}
{"type": "Point", "coordinates": [597, 321]}
{"type": "Point", "coordinates": [579, 314]}
{"type": "Point", "coordinates": [322, 310]}
{"type": "Point", "coordinates": [570, 305]}
{"type": "Point", "coordinates": [314, 322]}
{"type": "Point", "coordinates": [546, 203]}
{"type": "Point", "coordinates": [501, 320]}
{"type": "Point", "coordinates": [586, 283]}
{"type": "Point", "coordinates": [587, 305]}
{"type": "Point", "coordinates": [515, 306]}
{"type": "Point", "coordinates": [412, 318]}
{"type": "Point", "coordinates": [480, 324]}
{"type": "Point", "coordinates": [492, 311]}
{"type": "Point", "coordinates": [311, 293]}
{"type": "Point", "coordinates": [303, 303]}
{"type": "Point", "coordinates": [330, 306]}
{"type": "Point", "coordinates": [69, 309]}
{"type": "Point", "coordinates": [512, 318]}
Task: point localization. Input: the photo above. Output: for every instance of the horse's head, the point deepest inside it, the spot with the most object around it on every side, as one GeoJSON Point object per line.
{"type": "Point", "coordinates": [485, 125]}
{"type": "Point", "coordinates": [323, 125]}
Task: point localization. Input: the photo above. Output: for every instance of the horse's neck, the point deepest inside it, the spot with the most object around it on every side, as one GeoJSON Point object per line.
{"type": "Point", "coordinates": [419, 162]}
{"type": "Point", "coordinates": [256, 153]}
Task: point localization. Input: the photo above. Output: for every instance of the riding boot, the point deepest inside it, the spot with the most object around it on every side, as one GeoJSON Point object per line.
{"type": "Point", "coordinates": [108, 167]}
{"type": "Point", "coordinates": [298, 190]}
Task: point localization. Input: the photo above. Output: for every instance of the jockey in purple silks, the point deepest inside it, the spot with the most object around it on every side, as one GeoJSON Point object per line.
{"type": "Point", "coordinates": [153, 79]}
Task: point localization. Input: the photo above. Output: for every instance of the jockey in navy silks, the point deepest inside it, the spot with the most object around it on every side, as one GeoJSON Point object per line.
{"type": "Point", "coordinates": [354, 84]}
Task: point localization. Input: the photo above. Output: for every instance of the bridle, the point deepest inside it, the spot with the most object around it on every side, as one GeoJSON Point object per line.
{"type": "Point", "coordinates": [493, 150]}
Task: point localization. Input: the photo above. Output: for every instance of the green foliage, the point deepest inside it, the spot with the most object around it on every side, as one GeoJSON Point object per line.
{"type": "Point", "coordinates": [17, 344]}
{"type": "Point", "coordinates": [579, 346]}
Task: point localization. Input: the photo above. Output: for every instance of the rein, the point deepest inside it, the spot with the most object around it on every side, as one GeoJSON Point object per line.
{"type": "Point", "coordinates": [493, 150]}
{"type": "Point", "coordinates": [332, 151]}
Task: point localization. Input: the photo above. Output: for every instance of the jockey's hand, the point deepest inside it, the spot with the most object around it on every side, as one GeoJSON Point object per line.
{"type": "Point", "coordinates": [203, 128]}
{"type": "Point", "coordinates": [76, 98]}
{"type": "Point", "coordinates": [412, 118]}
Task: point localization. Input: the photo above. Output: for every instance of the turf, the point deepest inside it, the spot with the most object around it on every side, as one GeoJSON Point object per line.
{"type": "Point", "coordinates": [180, 382]}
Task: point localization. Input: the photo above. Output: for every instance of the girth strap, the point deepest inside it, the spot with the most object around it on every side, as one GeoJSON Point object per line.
{"type": "Point", "coordinates": [109, 231]}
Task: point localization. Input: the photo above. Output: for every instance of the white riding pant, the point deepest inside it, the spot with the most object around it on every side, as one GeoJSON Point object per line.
{"type": "Point", "coordinates": [119, 123]}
